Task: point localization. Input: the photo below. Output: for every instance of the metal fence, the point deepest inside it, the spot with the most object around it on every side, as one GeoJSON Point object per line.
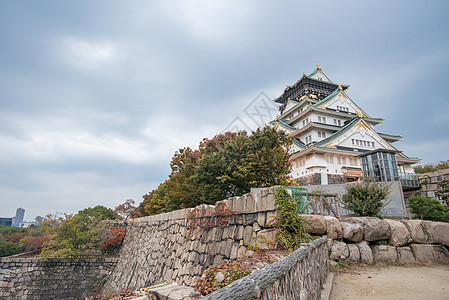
{"type": "Point", "coordinates": [301, 197]}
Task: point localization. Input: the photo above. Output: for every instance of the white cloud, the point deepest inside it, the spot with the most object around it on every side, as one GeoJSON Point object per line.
{"type": "Point", "coordinates": [87, 54]}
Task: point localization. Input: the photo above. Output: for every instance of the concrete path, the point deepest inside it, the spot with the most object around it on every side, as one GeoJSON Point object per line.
{"type": "Point", "coordinates": [392, 282]}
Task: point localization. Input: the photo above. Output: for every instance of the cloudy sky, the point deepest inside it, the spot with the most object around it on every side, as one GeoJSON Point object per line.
{"type": "Point", "coordinates": [96, 96]}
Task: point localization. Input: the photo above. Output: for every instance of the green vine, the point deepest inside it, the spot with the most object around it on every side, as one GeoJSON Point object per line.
{"type": "Point", "coordinates": [291, 231]}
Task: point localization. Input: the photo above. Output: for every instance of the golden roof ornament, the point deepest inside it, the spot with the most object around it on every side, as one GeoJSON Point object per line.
{"type": "Point", "coordinates": [318, 66]}
{"type": "Point", "coordinates": [339, 86]}
{"type": "Point", "coordinates": [359, 113]}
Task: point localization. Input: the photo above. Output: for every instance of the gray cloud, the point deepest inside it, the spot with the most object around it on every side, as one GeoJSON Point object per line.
{"type": "Point", "coordinates": [95, 97]}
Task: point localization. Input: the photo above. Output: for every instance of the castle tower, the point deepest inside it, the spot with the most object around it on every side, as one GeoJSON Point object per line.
{"type": "Point", "coordinates": [334, 140]}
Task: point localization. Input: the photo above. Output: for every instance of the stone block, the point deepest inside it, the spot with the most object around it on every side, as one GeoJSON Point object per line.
{"type": "Point", "coordinates": [405, 255]}
{"type": "Point", "coordinates": [430, 253]}
{"type": "Point", "coordinates": [271, 219]}
{"type": "Point", "coordinates": [333, 228]}
{"type": "Point", "coordinates": [354, 253]}
{"type": "Point", "coordinates": [384, 254]}
{"type": "Point", "coordinates": [416, 230]}
{"type": "Point", "coordinates": [400, 235]}
{"type": "Point", "coordinates": [352, 231]}
{"type": "Point", "coordinates": [375, 229]}
{"type": "Point", "coordinates": [266, 239]}
{"type": "Point", "coordinates": [339, 251]}
{"type": "Point", "coordinates": [239, 232]}
{"type": "Point", "coordinates": [261, 219]}
{"type": "Point", "coordinates": [316, 224]}
{"type": "Point", "coordinates": [366, 254]}
{"type": "Point", "coordinates": [437, 232]}
{"type": "Point", "coordinates": [250, 203]}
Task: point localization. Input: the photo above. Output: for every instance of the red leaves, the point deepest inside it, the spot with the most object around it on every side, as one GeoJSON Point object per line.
{"type": "Point", "coordinates": [113, 240]}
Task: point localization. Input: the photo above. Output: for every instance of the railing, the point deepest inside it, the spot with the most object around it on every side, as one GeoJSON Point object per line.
{"type": "Point", "coordinates": [409, 180]}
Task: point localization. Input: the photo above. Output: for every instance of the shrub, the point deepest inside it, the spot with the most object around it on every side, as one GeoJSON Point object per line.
{"type": "Point", "coordinates": [426, 208]}
{"type": "Point", "coordinates": [231, 272]}
{"type": "Point", "coordinates": [366, 198]}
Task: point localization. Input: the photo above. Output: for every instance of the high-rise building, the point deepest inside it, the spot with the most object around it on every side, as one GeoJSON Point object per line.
{"type": "Point", "coordinates": [334, 140]}
{"type": "Point", "coordinates": [18, 219]}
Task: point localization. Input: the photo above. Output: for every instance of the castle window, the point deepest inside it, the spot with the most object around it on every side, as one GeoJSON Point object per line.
{"type": "Point", "coordinates": [324, 120]}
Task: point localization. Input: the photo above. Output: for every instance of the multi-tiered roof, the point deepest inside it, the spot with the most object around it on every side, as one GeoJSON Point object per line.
{"type": "Point", "coordinates": [320, 116]}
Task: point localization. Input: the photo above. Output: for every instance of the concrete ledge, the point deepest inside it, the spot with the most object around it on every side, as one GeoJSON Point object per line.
{"type": "Point", "coordinates": [326, 291]}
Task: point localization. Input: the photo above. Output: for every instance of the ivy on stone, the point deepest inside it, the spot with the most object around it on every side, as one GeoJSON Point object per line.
{"type": "Point", "coordinates": [291, 231]}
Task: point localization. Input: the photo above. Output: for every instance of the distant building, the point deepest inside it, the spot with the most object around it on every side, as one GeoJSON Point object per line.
{"type": "Point", "coordinates": [334, 140]}
{"type": "Point", "coordinates": [6, 221]}
{"type": "Point", "coordinates": [18, 219]}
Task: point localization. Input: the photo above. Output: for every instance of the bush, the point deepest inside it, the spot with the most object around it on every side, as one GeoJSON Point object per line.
{"type": "Point", "coordinates": [366, 198]}
{"type": "Point", "coordinates": [230, 272]}
{"type": "Point", "coordinates": [425, 208]}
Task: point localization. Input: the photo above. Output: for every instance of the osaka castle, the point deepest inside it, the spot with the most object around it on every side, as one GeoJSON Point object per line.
{"type": "Point", "coordinates": [334, 140]}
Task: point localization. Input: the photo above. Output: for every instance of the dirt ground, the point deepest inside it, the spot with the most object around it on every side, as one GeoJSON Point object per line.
{"type": "Point", "coordinates": [392, 282]}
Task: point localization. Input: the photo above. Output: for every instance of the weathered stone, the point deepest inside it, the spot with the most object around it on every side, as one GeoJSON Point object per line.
{"type": "Point", "coordinates": [271, 219]}
{"type": "Point", "coordinates": [333, 228]}
{"type": "Point", "coordinates": [352, 231]}
{"type": "Point", "coordinates": [405, 255]}
{"type": "Point", "coordinates": [261, 219]}
{"type": "Point", "coordinates": [384, 254]}
{"type": "Point", "coordinates": [247, 233]}
{"type": "Point", "coordinates": [437, 232]}
{"type": "Point", "coordinates": [366, 254]}
{"type": "Point", "coordinates": [239, 233]}
{"type": "Point", "coordinates": [241, 252]}
{"type": "Point", "coordinates": [400, 235]}
{"type": "Point", "coordinates": [256, 227]}
{"type": "Point", "coordinates": [220, 277]}
{"type": "Point", "coordinates": [266, 239]}
{"type": "Point", "coordinates": [374, 229]}
{"type": "Point", "coordinates": [316, 224]}
{"type": "Point", "coordinates": [339, 250]}
{"type": "Point", "coordinates": [416, 230]}
{"type": "Point", "coordinates": [354, 253]}
{"type": "Point", "coordinates": [430, 253]}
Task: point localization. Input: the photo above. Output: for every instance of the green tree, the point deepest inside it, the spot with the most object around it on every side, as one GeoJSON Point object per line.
{"type": "Point", "coordinates": [99, 212]}
{"type": "Point", "coordinates": [443, 193]}
{"type": "Point", "coordinates": [442, 165]}
{"type": "Point", "coordinates": [9, 248]}
{"type": "Point", "coordinates": [71, 235]}
{"type": "Point", "coordinates": [227, 165]}
{"type": "Point", "coordinates": [365, 198]}
{"type": "Point", "coordinates": [425, 208]}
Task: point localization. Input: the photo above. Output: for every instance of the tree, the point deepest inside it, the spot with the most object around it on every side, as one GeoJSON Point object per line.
{"type": "Point", "coordinates": [124, 210]}
{"type": "Point", "coordinates": [426, 208]}
{"type": "Point", "coordinates": [365, 198]}
{"type": "Point", "coordinates": [9, 248]}
{"type": "Point", "coordinates": [442, 165]}
{"type": "Point", "coordinates": [227, 165]}
{"type": "Point", "coordinates": [71, 235]}
{"type": "Point", "coordinates": [99, 212]}
{"type": "Point", "coordinates": [443, 193]}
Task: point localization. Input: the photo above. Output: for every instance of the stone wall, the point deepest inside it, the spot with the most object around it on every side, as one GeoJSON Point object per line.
{"type": "Point", "coordinates": [158, 248]}
{"type": "Point", "coordinates": [298, 276]}
{"type": "Point", "coordinates": [371, 240]}
{"type": "Point", "coordinates": [429, 184]}
{"type": "Point", "coordinates": [57, 278]}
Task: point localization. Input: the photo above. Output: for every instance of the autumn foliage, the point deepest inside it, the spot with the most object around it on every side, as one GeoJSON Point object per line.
{"type": "Point", "coordinates": [113, 240]}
